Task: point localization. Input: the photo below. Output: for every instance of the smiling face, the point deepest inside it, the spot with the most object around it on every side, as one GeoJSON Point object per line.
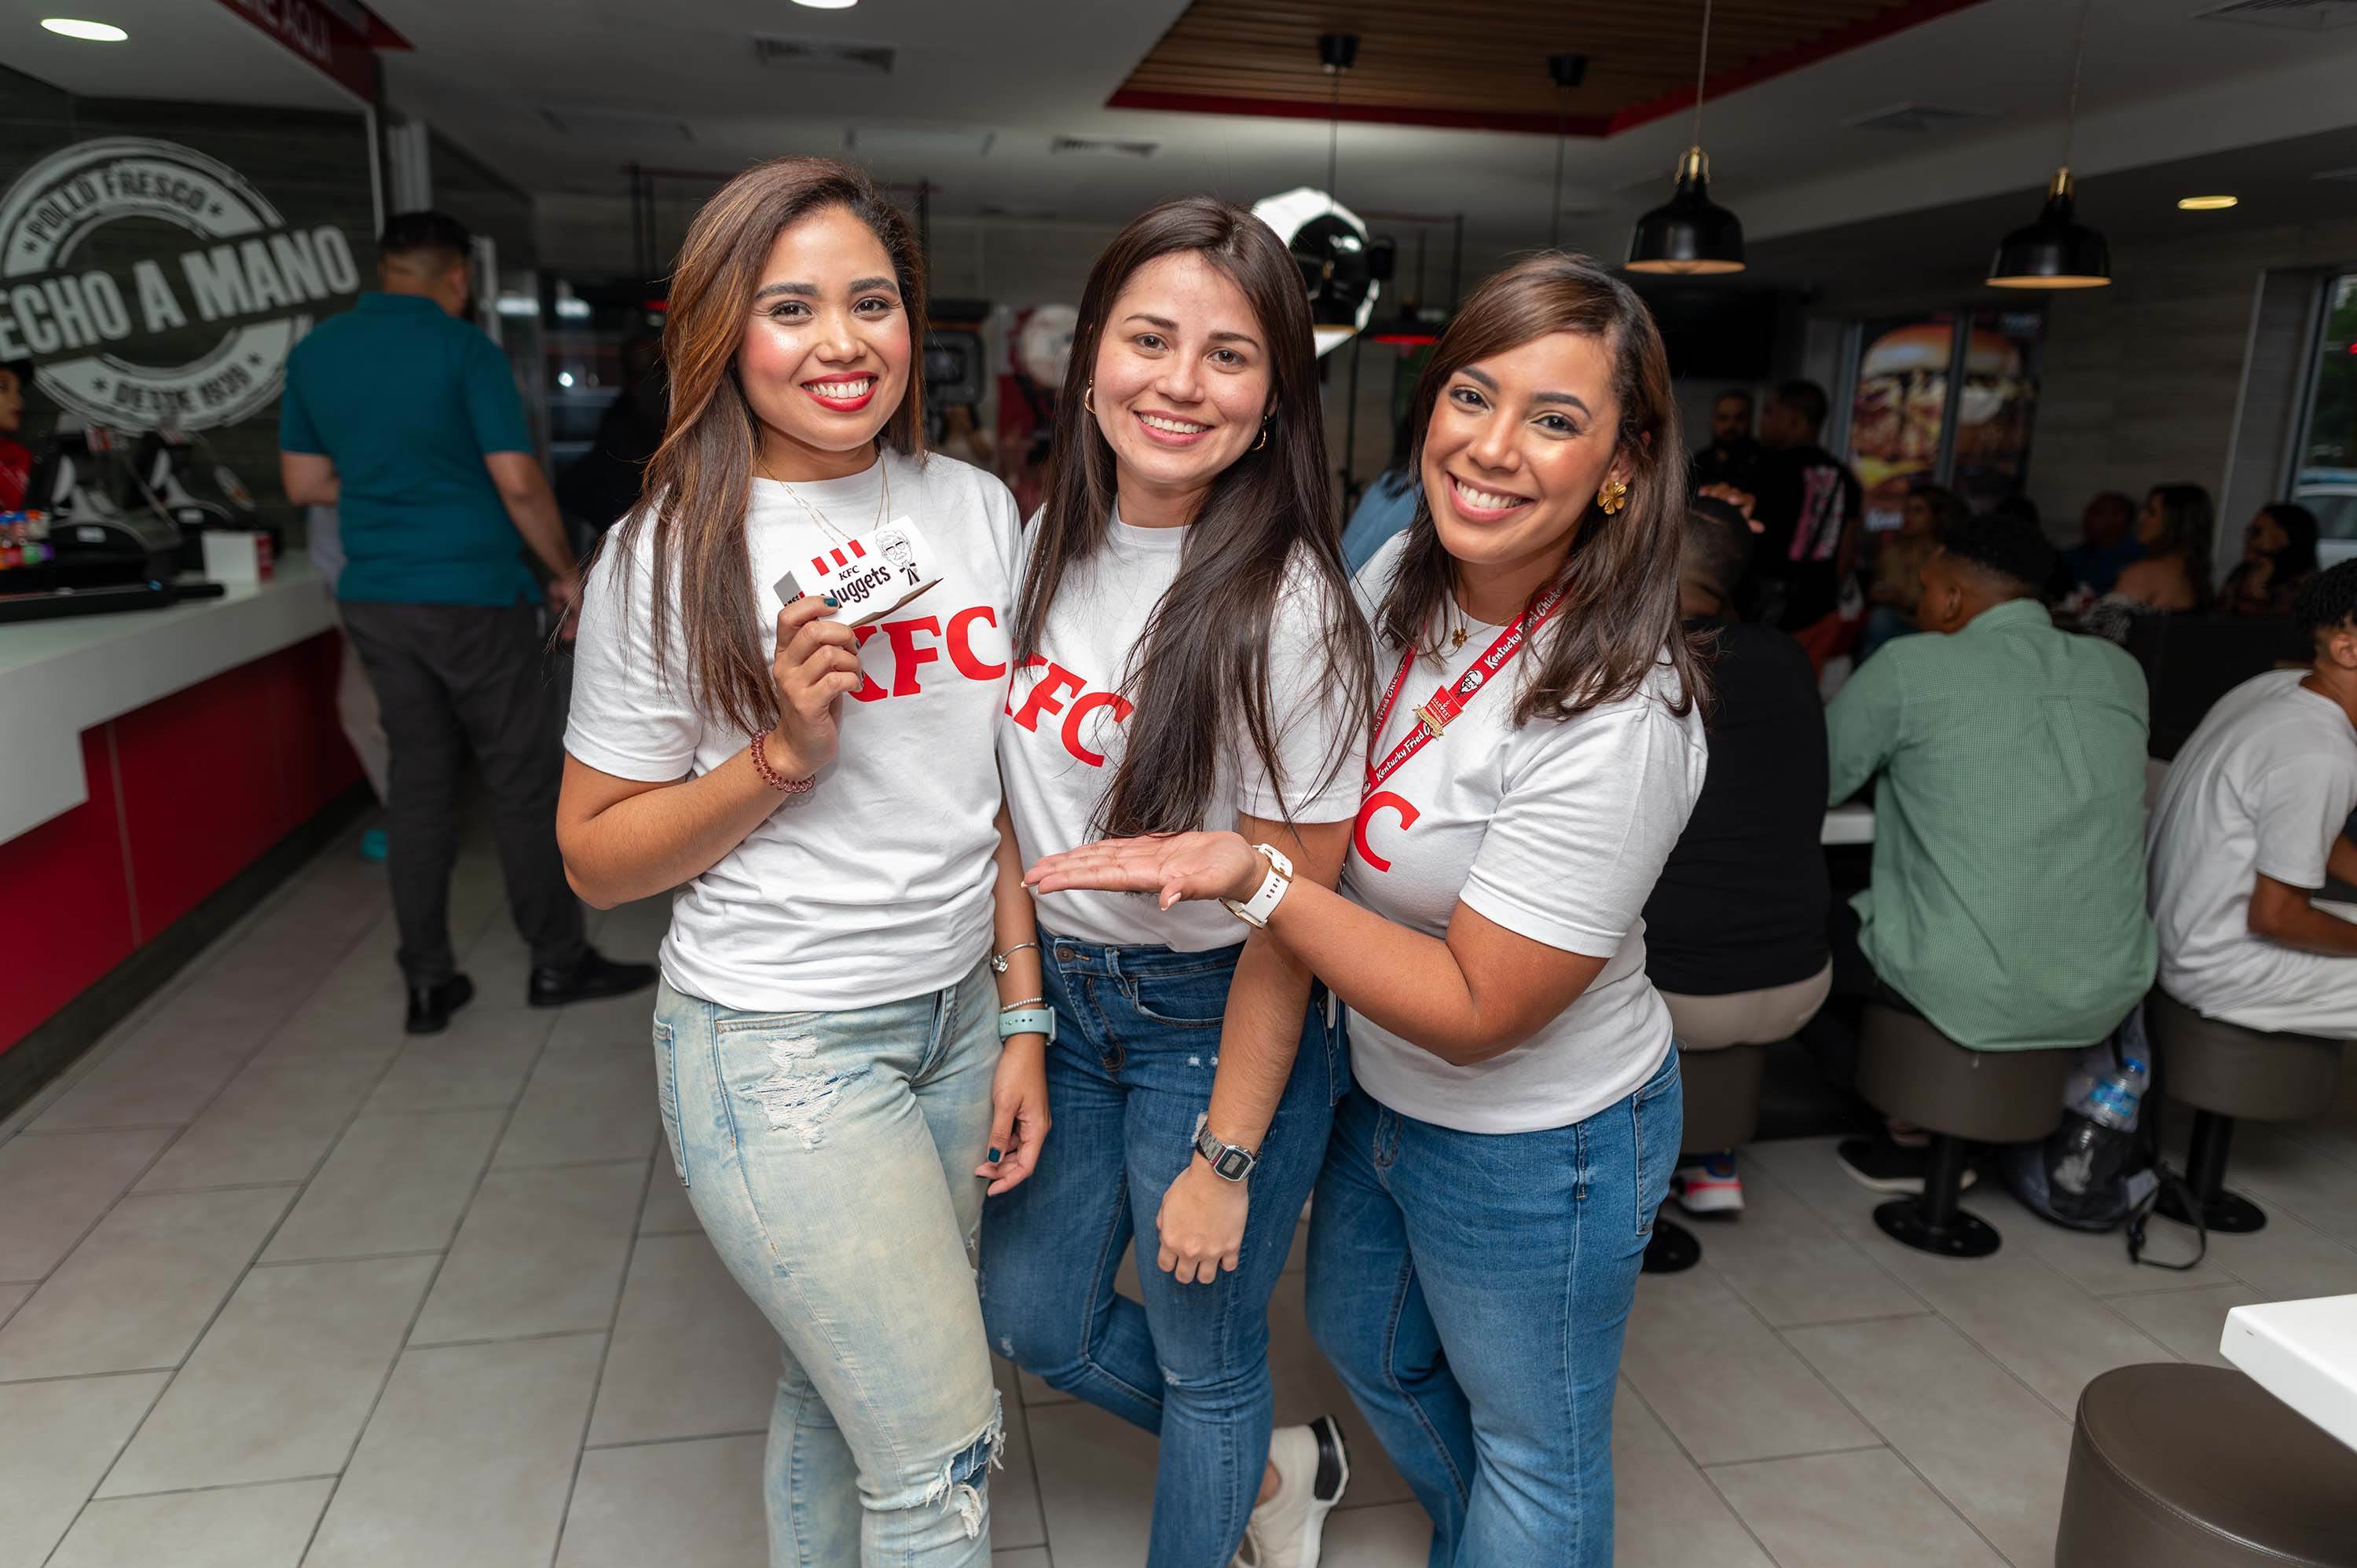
{"type": "Point", "coordinates": [1180, 384]}
{"type": "Point", "coordinates": [1518, 445]}
{"type": "Point", "coordinates": [825, 359]}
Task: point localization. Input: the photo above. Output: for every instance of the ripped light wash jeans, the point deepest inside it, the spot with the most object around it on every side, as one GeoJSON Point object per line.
{"type": "Point", "coordinates": [830, 1156]}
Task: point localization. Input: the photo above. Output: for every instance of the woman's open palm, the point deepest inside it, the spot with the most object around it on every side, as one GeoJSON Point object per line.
{"type": "Point", "coordinates": [1174, 868]}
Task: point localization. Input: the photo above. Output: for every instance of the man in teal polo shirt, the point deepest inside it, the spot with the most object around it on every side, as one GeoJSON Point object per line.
{"type": "Point", "coordinates": [2009, 898]}
{"type": "Point", "coordinates": [405, 418]}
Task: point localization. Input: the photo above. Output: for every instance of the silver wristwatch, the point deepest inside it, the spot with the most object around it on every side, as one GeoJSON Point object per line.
{"type": "Point", "coordinates": [1228, 1162]}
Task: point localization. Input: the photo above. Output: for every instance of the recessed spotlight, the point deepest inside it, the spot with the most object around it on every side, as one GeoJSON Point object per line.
{"type": "Point", "coordinates": [2206, 203]}
{"type": "Point", "coordinates": [88, 32]}
{"type": "Point", "coordinates": [827, 4]}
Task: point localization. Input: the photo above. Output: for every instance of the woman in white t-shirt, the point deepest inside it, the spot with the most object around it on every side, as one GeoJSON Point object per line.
{"type": "Point", "coordinates": [1515, 1114]}
{"type": "Point", "coordinates": [822, 800]}
{"type": "Point", "coordinates": [1189, 657]}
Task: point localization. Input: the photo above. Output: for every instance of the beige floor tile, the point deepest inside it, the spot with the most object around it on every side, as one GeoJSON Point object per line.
{"type": "Point", "coordinates": [56, 1440]}
{"type": "Point", "coordinates": [138, 1293]}
{"type": "Point", "coordinates": [2189, 1321]}
{"type": "Point", "coordinates": [281, 1383]}
{"type": "Point", "coordinates": [542, 1251]}
{"type": "Point", "coordinates": [2096, 1261]}
{"type": "Point", "coordinates": [667, 1210]}
{"type": "Point", "coordinates": [1014, 1517]}
{"type": "Point", "coordinates": [467, 1460]}
{"type": "Point", "coordinates": [392, 1184]}
{"type": "Point", "coordinates": [1097, 1485]}
{"type": "Point", "coordinates": [53, 1187]}
{"type": "Point", "coordinates": [684, 1505]}
{"type": "Point", "coordinates": [161, 1076]}
{"type": "Point", "coordinates": [1991, 1447]}
{"type": "Point", "coordinates": [1851, 1510]}
{"type": "Point", "coordinates": [478, 1063]}
{"type": "Point", "coordinates": [272, 1123]}
{"type": "Point", "coordinates": [2288, 1261]}
{"type": "Point", "coordinates": [12, 1298]}
{"type": "Point", "coordinates": [1722, 1381]}
{"type": "Point", "coordinates": [1022, 1557]}
{"type": "Point", "coordinates": [584, 1105]}
{"type": "Point", "coordinates": [2047, 1331]}
{"type": "Point", "coordinates": [1806, 1168]}
{"type": "Point", "coordinates": [691, 1355]}
{"type": "Point", "coordinates": [242, 1527]}
{"type": "Point", "coordinates": [616, 1021]}
{"type": "Point", "coordinates": [1666, 1514]}
{"type": "Point", "coordinates": [1394, 1535]}
{"type": "Point", "coordinates": [1791, 1266]}
{"type": "Point", "coordinates": [2278, 1172]}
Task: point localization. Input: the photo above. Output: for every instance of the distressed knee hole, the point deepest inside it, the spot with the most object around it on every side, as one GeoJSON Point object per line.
{"type": "Point", "coordinates": [962, 1479]}
{"type": "Point", "coordinates": [798, 1094]}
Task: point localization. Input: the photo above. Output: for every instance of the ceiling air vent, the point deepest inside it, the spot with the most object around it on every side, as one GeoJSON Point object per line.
{"type": "Point", "coordinates": [617, 124]}
{"type": "Point", "coordinates": [823, 53]}
{"type": "Point", "coordinates": [1099, 146]}
{"type": "Point", "coordinates": [2296, 16]}
{"type": "Point", "coordinates": [1919, 118]}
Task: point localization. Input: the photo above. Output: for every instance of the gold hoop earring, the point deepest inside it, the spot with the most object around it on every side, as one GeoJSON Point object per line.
{"type": "Point", "coordinates": [1264, 436]}
{"type": "Point", "coordinates": [1087, 392]}
{"type": "Point", "coordinates": [1612, 495]}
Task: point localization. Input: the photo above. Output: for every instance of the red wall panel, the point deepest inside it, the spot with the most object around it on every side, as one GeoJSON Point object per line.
{"type": "Point", "coordinates": [66, 918]}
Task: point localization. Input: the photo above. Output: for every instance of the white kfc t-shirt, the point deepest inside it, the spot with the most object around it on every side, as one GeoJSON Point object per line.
{"type": "Point", "coordinates": [876, 886]}
{"type": "Point", "coordinates": [1557, 831]}
{"type": "Point", "coordinates": [2264, 786]}
{"type": "Point", "coordinates": [1067, 722]}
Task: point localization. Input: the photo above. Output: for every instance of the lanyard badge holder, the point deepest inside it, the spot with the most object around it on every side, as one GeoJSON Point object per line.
{"type": "Point", "coordinates": [869, 575]}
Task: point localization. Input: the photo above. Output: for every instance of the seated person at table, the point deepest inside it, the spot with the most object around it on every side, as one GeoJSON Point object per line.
{"type": "Point", "coordinates": [2008, 901]}
{"type": "Point", "coordinates": [2279, 558]}
{"type": "Point", "coordinates": [2252, 819]}
{"type": "Point", "coordinates": [2107, 544]}
{"type": "Point", "coordinates": [1735, 931]}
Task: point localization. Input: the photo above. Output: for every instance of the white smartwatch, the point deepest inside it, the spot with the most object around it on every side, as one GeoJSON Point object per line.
{"type": "Point", "coordinates": [1256, 910]}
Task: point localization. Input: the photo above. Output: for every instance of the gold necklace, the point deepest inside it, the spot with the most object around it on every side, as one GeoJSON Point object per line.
{"type": "Point", "coordinates": [826, 525]}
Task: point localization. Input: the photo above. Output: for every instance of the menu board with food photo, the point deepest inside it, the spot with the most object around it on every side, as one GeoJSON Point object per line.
{"type": "Point", "coordinates": [1997, 405]}
{"type": "Point", "coordinates": [1899, 408]}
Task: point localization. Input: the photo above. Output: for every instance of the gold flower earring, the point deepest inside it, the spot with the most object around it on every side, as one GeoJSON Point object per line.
{"type": "Point", "coordinates": [1612, 495]}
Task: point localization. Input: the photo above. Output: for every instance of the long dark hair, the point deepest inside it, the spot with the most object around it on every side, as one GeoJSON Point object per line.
{"type": "Point", "coordinates": [1199, 674]}
{"type": "Point", "coordinates": [2297, 559]}
{"type": "Point", "coordinates": [2187, 523]}
{"type": "Point", "coordinates": [700, 482]}
{"type": "Point", "coordinates": [1620, 613]}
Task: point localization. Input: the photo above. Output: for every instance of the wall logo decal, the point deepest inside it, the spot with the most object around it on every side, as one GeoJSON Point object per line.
{"type": "Point", "coordinates": [153, 285]}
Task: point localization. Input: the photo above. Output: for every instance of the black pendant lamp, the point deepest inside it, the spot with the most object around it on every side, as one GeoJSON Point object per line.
{"type": "Point", "coordinates": [1690, 233]}
{"type": "Point", "coordinates": [2058, 250]}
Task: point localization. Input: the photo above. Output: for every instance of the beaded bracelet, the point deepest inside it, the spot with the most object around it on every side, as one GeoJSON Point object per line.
{"type": "Point", "coordinates": [769, 775]}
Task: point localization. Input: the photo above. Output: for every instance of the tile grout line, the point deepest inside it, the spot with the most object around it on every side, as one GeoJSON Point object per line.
{"type": "Point", "coordinates": [606, 1353]}
{"type": "Point", "coordinates": [669, 1442]}
{"type": "Point", "coordinates": [1687, 1454]}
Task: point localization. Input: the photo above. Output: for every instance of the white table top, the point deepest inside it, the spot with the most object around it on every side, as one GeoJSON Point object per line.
{"type": "Point", "coordinates": [1849, 822]}
{"type": "Point", "coordinates": [2304, 1353]}
{"type": "Point", "coordinates": [58, 678]}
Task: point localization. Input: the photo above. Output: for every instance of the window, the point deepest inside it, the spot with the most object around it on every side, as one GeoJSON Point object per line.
{"type": "Point", "coordinates": [2324, 472]}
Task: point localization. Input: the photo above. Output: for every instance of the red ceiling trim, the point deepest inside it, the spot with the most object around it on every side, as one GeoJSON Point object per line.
{"type": "Point", "coordinates": [1841, 40]}
{"type": "Point", "coordinates": [1824, 45]}
{"type": "Point", "coordinates": [1367, 115]}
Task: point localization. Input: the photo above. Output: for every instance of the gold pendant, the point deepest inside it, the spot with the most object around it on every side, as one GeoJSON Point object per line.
{"type": "Point", "coordinates": [1457, 638]}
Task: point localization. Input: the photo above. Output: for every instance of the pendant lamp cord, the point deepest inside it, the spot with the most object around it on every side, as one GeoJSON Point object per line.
{"type": "Point", "coordinates": [1554, 214]}
{"type": "Point", "coordinates": [1333, 141]}
{"type": "Point", "coordinates": [2078, 59]}
{"type": "Point", "coordinates": [1702, 72]}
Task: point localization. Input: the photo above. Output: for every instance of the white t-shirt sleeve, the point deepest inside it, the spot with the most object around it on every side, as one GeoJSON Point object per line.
{"type": "Point", "coordinates": [1320, 746]}
{"type": "Point", "coordinates": [2304, 801]}
{"type": "Point", "coordinates": [1584, 826]}
{"type": "Point", "coordinates": [624, 721]}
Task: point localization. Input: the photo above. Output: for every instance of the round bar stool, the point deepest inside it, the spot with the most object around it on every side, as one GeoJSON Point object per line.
{"type": "Point", "coordinates": [1721, 1085]}
{"type": "Point", "coordinates": [2224, 1072]}
{"type": "Point", "coordinates": [2200, 1468]}
{"type": "Point", "coordinates": [1907, 1068]}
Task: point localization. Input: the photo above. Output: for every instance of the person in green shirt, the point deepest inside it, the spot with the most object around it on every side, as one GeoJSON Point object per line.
{"type": "Point", "coordinates": [2008, 905]}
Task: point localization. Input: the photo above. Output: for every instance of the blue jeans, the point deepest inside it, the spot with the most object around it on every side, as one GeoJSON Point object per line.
{"type": "Point", "coordinates": [830, 1156]}
{"type": "Point", "coordinates": [1137, 1041]}
{"type": "Point", "coordinates": [1472, 1290]}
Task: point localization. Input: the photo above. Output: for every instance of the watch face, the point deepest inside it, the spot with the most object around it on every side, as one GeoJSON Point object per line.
{"type": "Point", "coordinates": [1234, 1163]}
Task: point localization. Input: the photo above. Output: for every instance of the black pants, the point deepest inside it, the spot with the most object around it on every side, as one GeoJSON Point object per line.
{"type": "Point", "coordinates": [1832, 1036]}
{"type": "Point", "coordinates": [453, 680]}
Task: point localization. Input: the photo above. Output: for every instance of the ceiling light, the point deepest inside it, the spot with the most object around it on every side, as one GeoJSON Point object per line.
{"type": "Point", "coordinates": [1690, 233]}
{"type": "Point", "coordinates": [827, 4]}
{"type": "Point", "coordinates": [88, 32]}
{"type": "Point", "coordinates": [2057, 250]}
{"type": "Point", "coordinates": [2206, 203]}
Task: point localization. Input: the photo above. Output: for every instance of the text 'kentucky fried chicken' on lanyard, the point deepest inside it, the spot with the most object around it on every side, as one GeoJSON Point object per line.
{"type": "Point", "coordinates": [1449, 700]}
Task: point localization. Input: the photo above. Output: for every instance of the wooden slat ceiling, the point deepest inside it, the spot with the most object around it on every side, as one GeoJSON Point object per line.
{"type": "Point", "coordinates": [1481, 64]}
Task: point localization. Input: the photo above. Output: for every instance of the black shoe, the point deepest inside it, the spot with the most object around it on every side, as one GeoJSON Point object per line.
{"type": "Point", "coordinates": [430, 1006]}
{"type": "Point", "coordinates": [594, 976]}
{"type": "Point", "coordinates": [1883, 1165]}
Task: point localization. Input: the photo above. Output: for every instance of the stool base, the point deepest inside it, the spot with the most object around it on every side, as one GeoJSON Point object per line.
{"type": "Point", "coordinates": [1672, 1249]}
{"type": "Point", "coordinates": [1962, 1235]}
{"type": "Point", "coordinates": [2221, 1211]}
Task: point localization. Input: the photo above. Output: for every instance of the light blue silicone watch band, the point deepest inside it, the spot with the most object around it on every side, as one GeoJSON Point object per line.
{"type": "Point", "coordinates": [1016, 1021]}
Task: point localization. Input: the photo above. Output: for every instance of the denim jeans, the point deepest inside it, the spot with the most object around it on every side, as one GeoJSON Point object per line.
{"type": "Point", "coordinates": [1137, 1041]}
{"type": "Point", "coordinates": [830, 1156]}
{"type": "Point", "coordinates": [1472, 1290]}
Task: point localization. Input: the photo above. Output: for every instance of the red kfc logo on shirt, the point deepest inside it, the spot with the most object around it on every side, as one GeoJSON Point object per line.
{"type": "Point", "coordinates": [921, 641]}
{"type": "Point", "coordinates": [1059, 691]}
{"type": "Point", "coordinates": [1380, 800]}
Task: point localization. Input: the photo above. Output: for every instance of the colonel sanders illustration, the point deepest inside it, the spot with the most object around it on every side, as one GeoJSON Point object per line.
{"type": "Point", "coordinates": [897, 551]}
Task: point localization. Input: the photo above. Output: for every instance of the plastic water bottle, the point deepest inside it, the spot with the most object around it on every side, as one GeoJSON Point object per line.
{"type": "Point", "coordinates": [2085, 1155]}
{"type": "Point", "coordinates": [2111, 1099]}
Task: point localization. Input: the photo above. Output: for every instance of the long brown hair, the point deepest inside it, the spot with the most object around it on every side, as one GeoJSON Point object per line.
{"type": "Point", "coordinates": [1620, 616]}
{"type": "Point", "coordinates": [2188, 523]}
{"type": "Point", "coordinates": [700, 482]}
{"type": "Point", "coordinates": [1200, 672]}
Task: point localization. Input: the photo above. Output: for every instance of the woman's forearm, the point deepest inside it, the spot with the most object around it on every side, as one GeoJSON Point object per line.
{"type": "Point", "coordinates": [1401, 980]}
{"type": "Point", "coordinates": [1259, 1035]}
{"type": "Point", "coordinates": [1014, 923]}
{"type": "Point", "coordinates": [652, 841]}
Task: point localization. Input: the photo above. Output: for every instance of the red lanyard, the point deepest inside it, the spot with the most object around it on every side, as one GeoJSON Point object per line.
{"type": "Point", "coordinates": [1450, 701]}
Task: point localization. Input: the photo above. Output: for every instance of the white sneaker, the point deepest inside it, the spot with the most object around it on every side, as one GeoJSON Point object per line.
{"type": "Point", "coordinates": [1313, 1465]}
